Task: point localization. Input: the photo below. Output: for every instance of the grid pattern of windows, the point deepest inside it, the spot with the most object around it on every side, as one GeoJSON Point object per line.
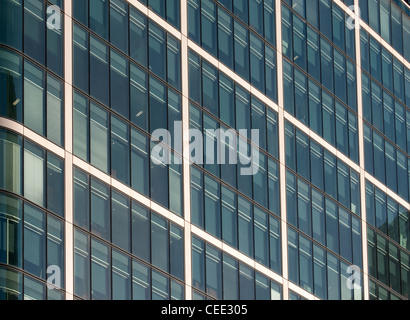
{"type": "Point", "coordinates": [391, 23]}
{"type": "Point", "coordinates": [234, 44]}
{"type": "Point", "coordinates": [113, 217]}
{"type": "Point", "coordinates": [221, 276]}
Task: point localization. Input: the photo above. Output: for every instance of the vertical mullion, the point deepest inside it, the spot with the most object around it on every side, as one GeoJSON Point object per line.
{"type": "Point", "coordinates": [68, 146]}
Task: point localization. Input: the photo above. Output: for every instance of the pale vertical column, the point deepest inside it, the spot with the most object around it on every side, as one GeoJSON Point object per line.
{"type": "Point", "coordinates": [361, 151]}
{"type": "Point", "coordinates": [68, 133]}
{"type": "Point", "coordinates": [281, 123]}
{"type": "Point", "coordinates": [185, 150]}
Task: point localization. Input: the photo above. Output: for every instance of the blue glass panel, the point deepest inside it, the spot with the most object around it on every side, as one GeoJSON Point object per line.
{"type": "Point", "coordinates": [138, 37]}
{"type": "Point", "coordinates": [245, 226]}
{"type": "Point", "coordinates": [119, 81]}
{"type": "Point", "coordinates": [157, 50]}
{"type": "Point", "coordinates": [119, 24]}
{"type": "Point", "coordinates": [99, 70]}
{"type": "Point", "coordinates": [99, 17]}
{"type": "Point", "coordinates": [208, 26]}
{"type": "Point", "coordinates": [141, 232]}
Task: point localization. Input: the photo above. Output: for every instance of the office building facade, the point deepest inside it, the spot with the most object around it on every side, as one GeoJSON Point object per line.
{"type": "Point", "coordinates": [89, 209]}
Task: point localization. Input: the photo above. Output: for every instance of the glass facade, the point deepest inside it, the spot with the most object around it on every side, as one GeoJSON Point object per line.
{"type": "Point", "coordinates": [293, 178]}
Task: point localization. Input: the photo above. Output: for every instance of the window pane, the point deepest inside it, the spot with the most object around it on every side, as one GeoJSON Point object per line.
{"type": "Point", "coordinates": [139, 162]}
{"type": "Point", "coordinates": [138, 37]}
{"type": "Point", "coordinates": [275, 244]}
{"type": "Point", "coordinates": [11, 153]}
{"type": "Point", "coordinates": [333, 277]}
{"type": "Point", "coordinates": [160, 286]}
{"type": "Point", "coordinates": [120, 150]}
{"type": "Point", "coordinates": [12, 23]}
{"type": "Point", "coordinates": [241, 50]}
{"type": "Point", "coordinates": [261, 236]}
{"type": "Point", "coordinates": [213, 272]}
{"type": "Point", "coordinates": [100, 209]}
{"type": "Point", "coordinates": [332, 226]}
{"type": "Point", "coordinates": [345, 234]}
{"type": "Point", "coordinates": [80, 58]}
{"type": "Point", "coordinates": [139, 97]}
{"type": "Point", "coordinates": [119, 24]}
{"type": "Point", "coordinates": [120, 84]}
{"type": "Point", "coordinates": [55, 248]}
{"type": "Point", "coordinates": [81, 265]}
{"type": "Point", "coordinates": [99, 70]}
{"type": "Point", "coordinates": [99, 17]}
{"type": "Point", "coordinates": [304, 206]}
{"type": "Point", "coordinates": [157, 57]}
{"type": "Point", "coordinates": [212, 207]}
{"type": "Point", "coordinates": [246, 283]}
{"type": "Point", "coordinates": [229, 217]}
{"type": "Point", "coordinates": [141, 243]}
{"type": "Point", "coordinates": [81, 199]}
{"type": "Point", "coordinates": [271, 73]}
{"type": "Point", "coordinates": [230, 278]}
{"type": "Point", "coordinates": [141, 281]}
{"type": "Point", "coordinates": [11, 85]}
{"type": "Point", "coordinates": [177, 251]}
{"type": "Point", "coordinates": [225, 38]}
{"type": "Point", "coordinates": [293, 256]}
{"type": "Point", "coordinates": [306, 263]}
{"type": "Point", "coordinates": [198, 264]}
{"type": "Point", "coordinates": [34, 30]}
{"type": "Point", "coordinates": [319, 269]}
{"type": "Point", "coordinates": [245, 226]}
{"type": "Point", "coordinates": [313, 54]}
{"type": "Point", "coordinates": [11, 226]}
{"type": "Point", "coordinates": [99, 125]}
{"type": "Point", "coordinates": [174, 62]}
{"type": "Point", "coordinates": [34, 97]}
{"type": "Point", "coordinates": [317, 165]}
{"type": "Point", "coordinates": [100, 271]}
{"type": "Point", "coordinates": [55, 184]}
{"type": "Point", "coordinates": [257, 62]}
{"type": "Point", "coordinates": [55, 120]}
